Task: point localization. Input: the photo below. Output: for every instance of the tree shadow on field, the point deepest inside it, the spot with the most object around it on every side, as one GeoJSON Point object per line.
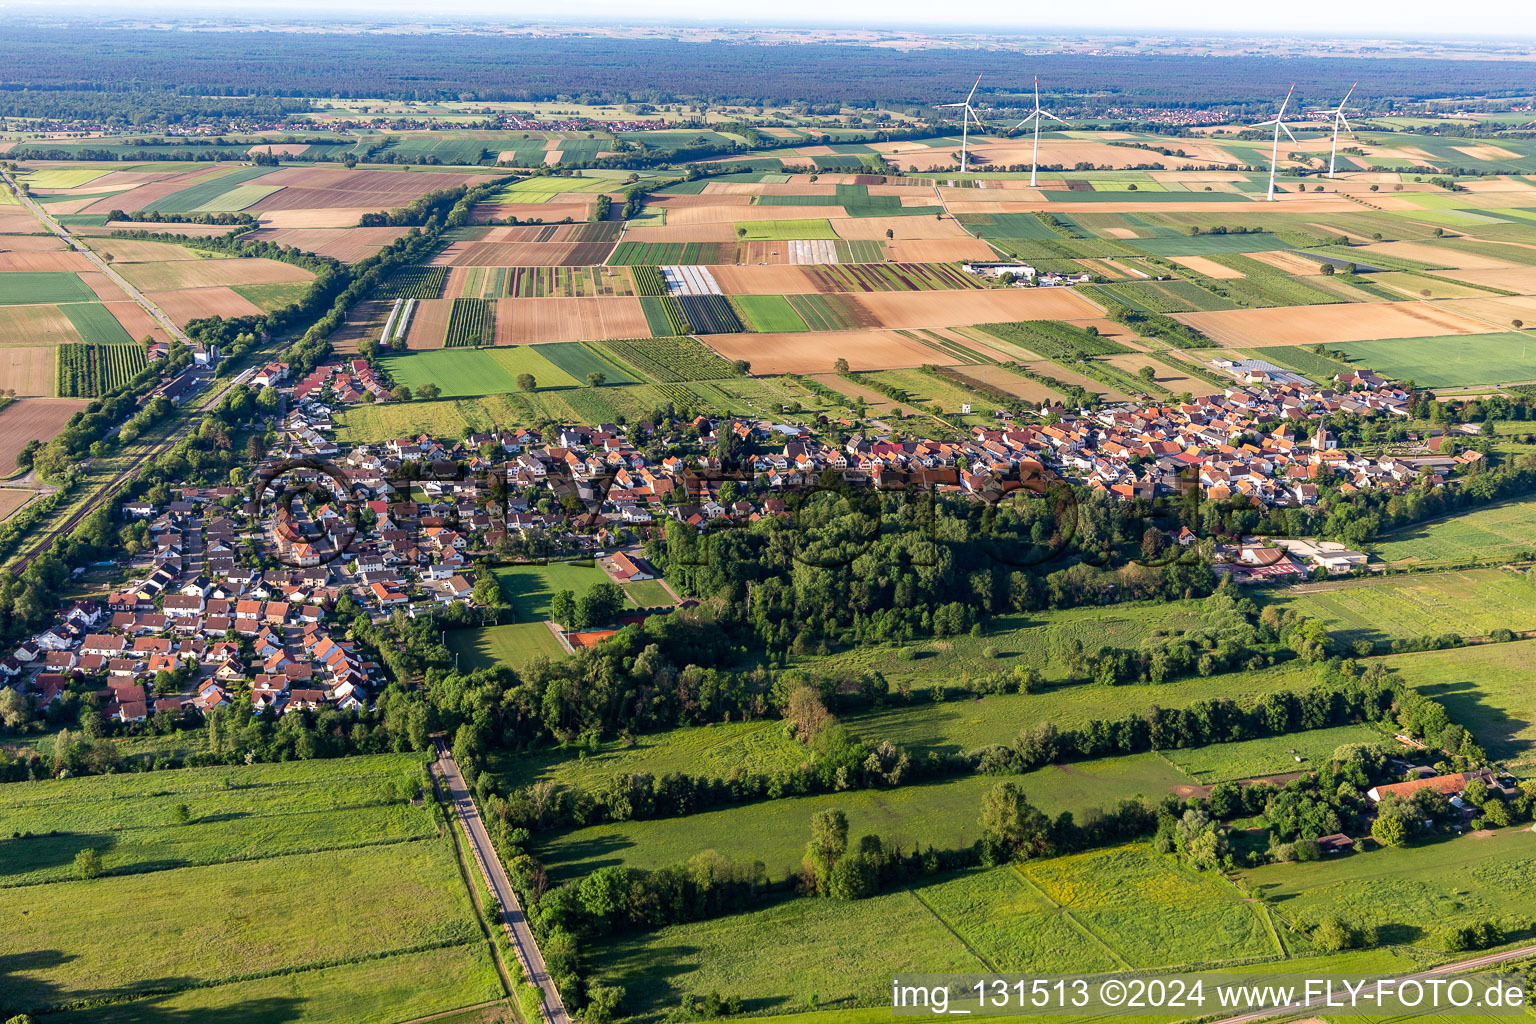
{"type": "Point", "coordinates": [585, 856]}
{"type": "Point", "coordinates": [29, 853]}
{"type": "Point", "coordinates": [24, 988]}
{"type": "Point", "coordinates": [1494, 728]}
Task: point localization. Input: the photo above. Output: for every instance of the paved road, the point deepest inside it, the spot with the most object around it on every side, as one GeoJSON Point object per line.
{"type": "Point", "coordinates": [1455, 967]}
{"type": "Point", "coordinates": [100, 264]}
{"type": "Point", "coordinates": [496, 877]}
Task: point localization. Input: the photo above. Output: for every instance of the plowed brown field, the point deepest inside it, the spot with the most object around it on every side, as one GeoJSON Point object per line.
{"type": "Point", "coordinates": [816, 352]}
{"type": "Point", "coordinates": [32, 419]}
{"type": "Point", "coordinates": [532, 321]}
{"type": "Point", "coordinates": [1351, 321]}
{"type": "Point", "coordinates": [194, 303]}
{"type": "Point", "coordinates": [956, 308]}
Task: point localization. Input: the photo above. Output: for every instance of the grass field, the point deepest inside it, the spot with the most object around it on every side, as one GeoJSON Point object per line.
{"type": "Point", "coordinates": [1486, 688]}
{"type": "Point", "coordinates": [32, 288]}
{"type": "Point", "coordinates": [460, 372]}
{"type": "Point", "coordinates": [395, 988]}
{"type": "Point", "coordinates": [513, 644]}
{"type": "Point", "coordinates": [274, 295]}
{"type": "Point", "coordinates": [1472, 603]}
{"type": "Point", "coordinates": [784, 230]}
{"type": "Point", "coordinates": [280, 869]}
{"type": "Point", "coordinates": [1494, 534]}
{"type": "Point", "coordinates": [648, 594]}
{"type": "Point", "coordinates": [1409, 892]}
{"type": "Point", "coordinates": [1271, 755]}
{"type": "Point", "coordinates": [529, 588]}
{"type": "Point", "coordinates": [1094, 911]}
{"type": "Point", "coordinates": [943, 814]}
{"type": "Point", "coordinates": [767, 313]}
{"type": "Point", "coordinates": [1451, 360]}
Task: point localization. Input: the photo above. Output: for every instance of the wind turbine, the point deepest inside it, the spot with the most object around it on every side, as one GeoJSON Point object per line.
{"type": "Point", "coordinates": [1339, 121]}
{"type": "Point", "coordinates": [1279, 123]}
{"type": "Point", "coordinates": [1035, 116]}
{"type": "Point", "coordinates": [966, 116]}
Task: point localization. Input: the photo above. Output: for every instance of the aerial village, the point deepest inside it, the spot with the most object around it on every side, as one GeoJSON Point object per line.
{"type": "Point", "coordinates": [258, 628]}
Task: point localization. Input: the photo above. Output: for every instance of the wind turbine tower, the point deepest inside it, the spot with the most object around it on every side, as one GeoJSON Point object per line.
{"type": "Point", "coordinates": [1339, 121]}
{"type": "Point", "coordinates": [1035, 116]}
{"type": "Point", "coordinates": [967, 115]}
{"type": "Point", "coordinates": [1279, 123]}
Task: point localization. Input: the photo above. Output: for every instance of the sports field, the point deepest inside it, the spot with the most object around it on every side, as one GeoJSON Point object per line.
{"type": "Point", "coordinates": [513, 644]}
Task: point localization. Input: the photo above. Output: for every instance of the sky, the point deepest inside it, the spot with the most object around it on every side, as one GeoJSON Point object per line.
{"type": "Point", "coordinates": [1376, 18]}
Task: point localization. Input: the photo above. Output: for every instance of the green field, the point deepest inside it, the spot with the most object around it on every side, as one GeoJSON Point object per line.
{"type": "Point", "coordinates": [1409, 892]}
{"type": "Point", "coordinates": [1270, 755]}
{"type": "Point", "coordinates": [1486, 688]}
{"type": "Point", "coordinates": [1087, 912]}
{"type": "Point", "coordinates": [942, 814]}
{"type": "Point", "coordinates": [1205, 244]}
{"type": "Point", "coordinates": [402, 987]}
{"type": "Point", "coordinates": [1450, 361]}
{"type": "Point", "coordinates": [1472, 603]}
{"type": "Point", "coordinates": [275, 295]}
{"type": "Point", "coordinates": [648, 594]}
{"type": "Point", "coordinates": [529, 588]}
{"type": "Point", "coordinates": [290, 869]}
{"type": "Point", "coordinates": [769, 313]}
{"type": "Point", "coordinates": [208, 195]}
{"type": "Point", "coordinates": [461, 372]}
{"type": "Point", "coordinates": [96, 324]}
{"type": "Point", "coordinates": [1494, 534]}
{"type": "Point", "coordinates": [514, 644]}
{"type": "Point", "coordinates": [36, 288]}
{"type": "Point", "coordinates": [784, 230]}
{"type": "Point", "coordinates": [578, 360]}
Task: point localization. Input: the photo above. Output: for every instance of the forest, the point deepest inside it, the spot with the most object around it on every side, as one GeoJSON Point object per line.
{"type": "Point", "coordinates": [154, 75]}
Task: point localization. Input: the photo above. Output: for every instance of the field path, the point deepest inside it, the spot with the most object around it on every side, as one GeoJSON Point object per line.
{"type": "Point", "coordinates": [100, 264]}
{"type": "Point", "coordinates": [512, 917]}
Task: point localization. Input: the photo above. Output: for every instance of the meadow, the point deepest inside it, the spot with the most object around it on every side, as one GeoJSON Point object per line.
{"type": "Point", "coordinates": [1498, 533]}
{"type": "Point", "coordinates": [1486, 688]}
{"type": "Point", "coordinates": [269, 890]}
{"type": "Point", "coordinates": [944, 814]}
{"type": "Point", "coordinates": [1472, 603]}
{"type": "Point", "coordinates": [464, 372]}
{"type": "Point", "coordinates": [1409, 892]}
{"type": "Point", "coordinates": [1269, 755]}
{"type": "Point", "coordinates": [1095, 911]}
{"type": "Point", "coordinates": [529, 588]}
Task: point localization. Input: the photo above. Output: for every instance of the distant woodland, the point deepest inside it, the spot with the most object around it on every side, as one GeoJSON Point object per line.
{"type": "Point", "coordinates": [159, 76]}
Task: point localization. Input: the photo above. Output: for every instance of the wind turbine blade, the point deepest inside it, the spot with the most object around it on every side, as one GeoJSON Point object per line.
{"type": "Point", "coordinates": [1345, 122]}
{"type": "Point", "coordinates": [1286, 102]}
{"type": "Point", "coordinates": [1347, 96]}
{"type": "Point", "coordinates": [973, 90]}
{"type": "Point", "coordinates": [1037, 92]}
{"type": "Point", "coordinates": [1285, 128]}
{"type": "Point", "coordinates": [941, 105]}
{"type": "Point", "coordinates": [1052, 116]}
{"type": "Point", "coordinates": [1265, 124]}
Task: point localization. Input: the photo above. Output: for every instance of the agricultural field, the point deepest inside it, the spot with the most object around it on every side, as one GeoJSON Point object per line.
{"type": "Point", "coordinates": [1450, 361]}
{"type": "Point", "coordinates": [459, 372]}
{"type": "Point", "coordinates": [1486, 688]}
{"type": "Point", "coordinates": [1470, 603]}
{"type": "Point", "coordinates": [1502, 532]}
{"type": "Point", "coordinates": [88, 371]}
{"type": "Point", "coordinates": [471, 324]}
{"type": "Point", "coordinates": [1270, 755]}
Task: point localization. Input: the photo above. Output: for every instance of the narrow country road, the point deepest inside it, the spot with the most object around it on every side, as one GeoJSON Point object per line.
{"type": "Point", "coordinates": [496, 877]}
{"type": "Point", "coordinates": [102, 265]}
{"type": "Point", "coordinates": [1454, 967]}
